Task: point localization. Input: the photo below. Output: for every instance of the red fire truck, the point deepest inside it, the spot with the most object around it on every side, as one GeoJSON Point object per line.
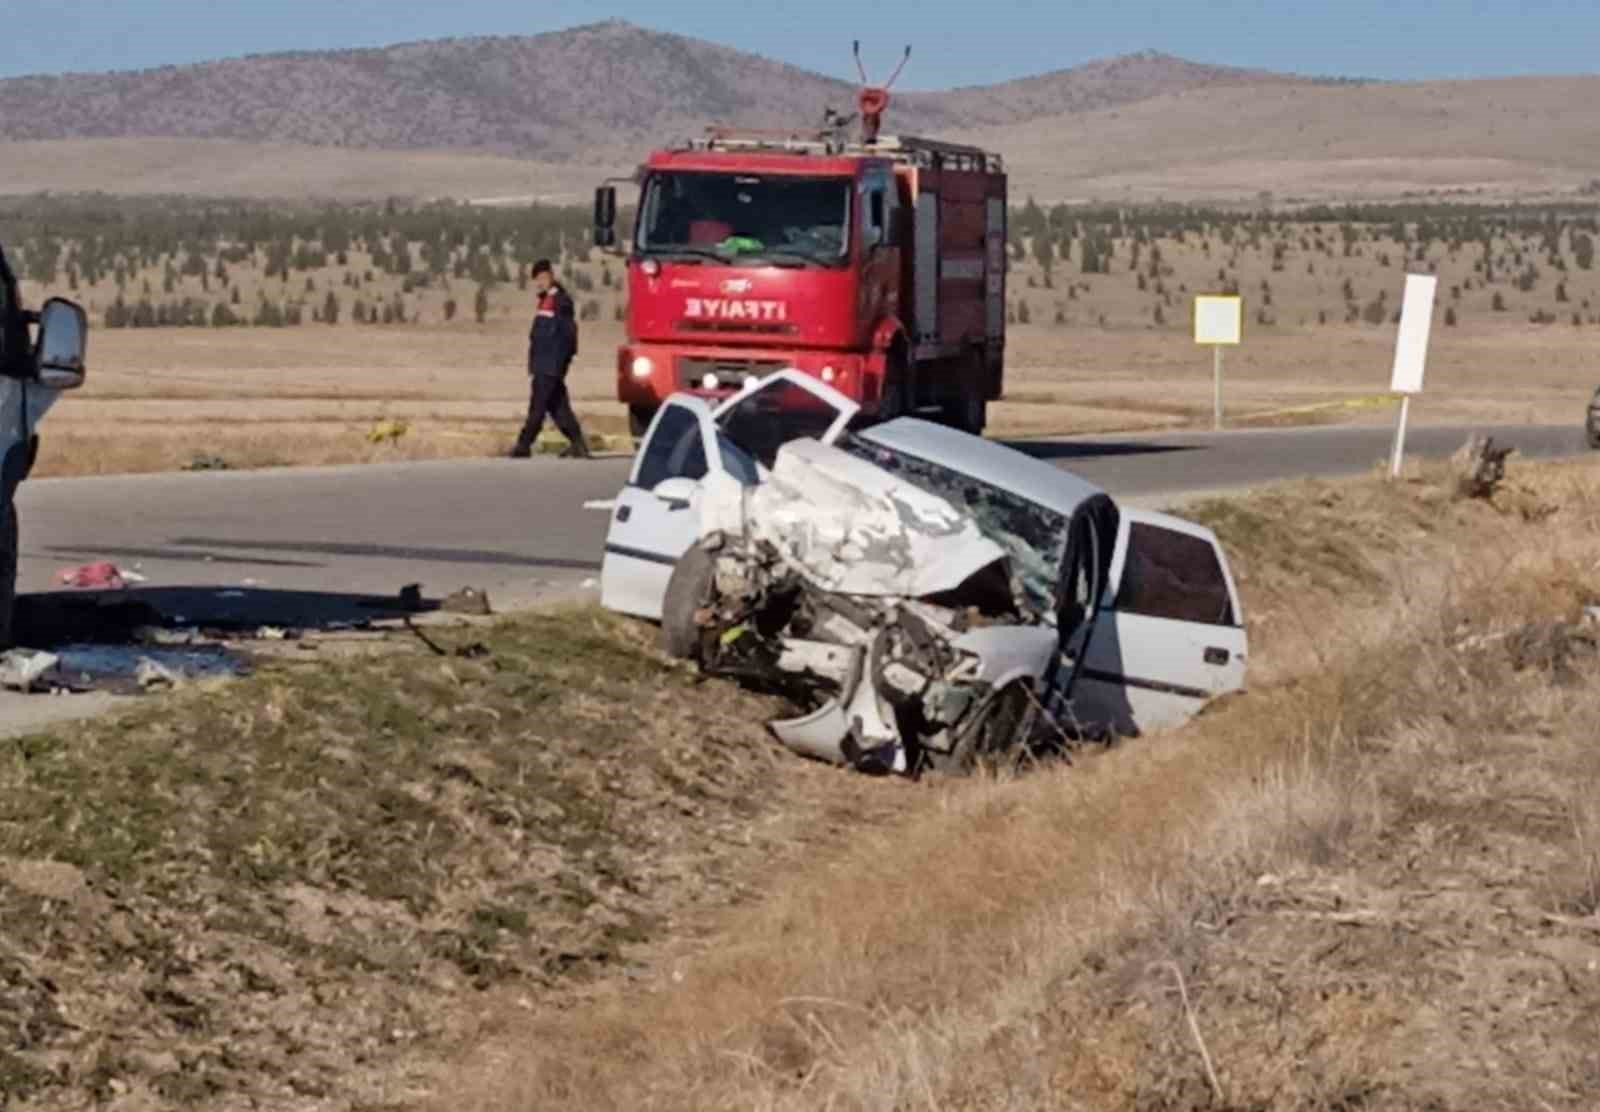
{"type": "Point", "coordinates": [876, 263]}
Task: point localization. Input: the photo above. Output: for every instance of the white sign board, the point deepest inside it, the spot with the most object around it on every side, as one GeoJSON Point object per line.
{"type": "Point", "coordinates": [1218, 320]}
{"type": "Point", "coordinates": [1411, 345]}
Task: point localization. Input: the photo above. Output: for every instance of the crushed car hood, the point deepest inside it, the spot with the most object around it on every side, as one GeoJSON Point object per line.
{"type": "Point", "coordinates": [849, 527]}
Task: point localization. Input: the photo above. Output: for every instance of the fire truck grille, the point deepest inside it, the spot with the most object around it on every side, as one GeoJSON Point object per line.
{"type": "Point", "coordinates": [692, 369]}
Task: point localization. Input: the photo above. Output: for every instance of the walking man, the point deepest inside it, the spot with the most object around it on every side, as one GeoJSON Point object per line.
{"type": "Point", "coordinates": [552, 342]}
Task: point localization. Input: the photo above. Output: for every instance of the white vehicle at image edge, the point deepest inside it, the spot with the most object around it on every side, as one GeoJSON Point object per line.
{"type": "Point", "coordinates": [925, 596]}
{"type": "Point", "coordinates": [34, 370]}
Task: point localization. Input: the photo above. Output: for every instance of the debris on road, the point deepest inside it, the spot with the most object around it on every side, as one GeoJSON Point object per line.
{"type": "Point", "coordinates": [101, 575]}
{"type": "Point", "coordinates": [204, 462]}
{"type": "Point", "coordinates": [468, 600]}
{"type": "Point", "coordinates": [148, 673]}
{"type": "Point", "coordinates": [21, 669]}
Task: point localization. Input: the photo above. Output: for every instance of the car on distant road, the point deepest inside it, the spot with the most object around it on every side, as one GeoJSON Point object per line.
{"type": "Point", "coordinates": [920, 593]}
{"type": "Point", "coordinates": [1591, 424]}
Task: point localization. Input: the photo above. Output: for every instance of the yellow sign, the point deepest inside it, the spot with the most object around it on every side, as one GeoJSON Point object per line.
{"type": "Point", "coordinates": [1218, 319]}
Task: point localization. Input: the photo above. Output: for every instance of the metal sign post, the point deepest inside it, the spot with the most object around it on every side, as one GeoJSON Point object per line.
{"type": "Point", "coordinates": [1410, 355]}
{"type": "Point", "coordinates": [1219, 322]}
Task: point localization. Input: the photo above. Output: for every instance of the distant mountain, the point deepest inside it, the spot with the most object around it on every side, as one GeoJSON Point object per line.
{"type": "Point", "coordinates": [588, 95]}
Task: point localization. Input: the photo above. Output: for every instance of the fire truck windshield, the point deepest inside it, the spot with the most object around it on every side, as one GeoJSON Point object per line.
{"type": "Point", "coordinates": [737, 219]}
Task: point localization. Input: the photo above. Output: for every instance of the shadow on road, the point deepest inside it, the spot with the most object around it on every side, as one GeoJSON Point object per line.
{"type": "Point", "coordinates": [55, 618]}
{"type": "Point", "coordinates": [387, 552]}
{"type": "Point", "coordinates": [1093, 449]}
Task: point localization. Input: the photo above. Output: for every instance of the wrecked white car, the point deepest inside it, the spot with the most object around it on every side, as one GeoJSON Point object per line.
{"type": "Point", "coordinates": [926, 597]}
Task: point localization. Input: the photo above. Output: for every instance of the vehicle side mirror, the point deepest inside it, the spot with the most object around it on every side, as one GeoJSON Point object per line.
{"type": "Point", "coordinates": [676, 492]}
{"type": "Point", "coordinates": [605, 216]}
{"type": "Point", "coordinates": [63, 343]}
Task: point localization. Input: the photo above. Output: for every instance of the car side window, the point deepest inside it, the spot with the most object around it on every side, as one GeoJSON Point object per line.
{"type": "Point", "coordinates": [676, 450]}
{"type": "Point", "coordinates": [1173, 575]}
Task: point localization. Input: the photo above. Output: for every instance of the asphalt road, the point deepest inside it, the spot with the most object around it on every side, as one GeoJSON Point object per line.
{"type": "Point", "coordinates": [299, 546]}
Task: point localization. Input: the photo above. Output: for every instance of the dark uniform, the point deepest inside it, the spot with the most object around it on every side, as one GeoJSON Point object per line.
{"type": "Point", "coordinates": [552, 343]}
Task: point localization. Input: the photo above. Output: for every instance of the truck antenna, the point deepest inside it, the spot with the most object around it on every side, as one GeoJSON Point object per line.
{"type": "Point", "coordinates": [873, 100]}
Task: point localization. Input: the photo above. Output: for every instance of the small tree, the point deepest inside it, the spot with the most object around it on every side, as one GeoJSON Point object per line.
{"type": "Point", "coordinates": [480, 303]}
{"type": "Point", "coordinates": [330, 308]}
{"type": "Point", "coordinates": [450, 309]}
{"type": "Point", "coordinates": [1499, 302]}
{"type": "Point", "coordinates": [1450, 316]}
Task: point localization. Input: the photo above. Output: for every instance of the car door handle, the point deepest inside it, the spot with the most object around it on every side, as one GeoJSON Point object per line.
{"type": "Point", "coordinates": [624, 512]}
{"type": "Point", "coordinates": [1217, 657]}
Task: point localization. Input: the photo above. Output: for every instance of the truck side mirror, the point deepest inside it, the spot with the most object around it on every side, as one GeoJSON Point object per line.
{"type": "Point", "coordinates": [605, 216]}
{"type": "Point", "coordinates": [63, 342]}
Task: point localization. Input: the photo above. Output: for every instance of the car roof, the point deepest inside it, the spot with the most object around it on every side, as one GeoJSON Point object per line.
{"type": "Point", "coordinates": [985, 460]}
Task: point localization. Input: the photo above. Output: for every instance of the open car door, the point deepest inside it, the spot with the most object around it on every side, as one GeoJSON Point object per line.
{"type": "Point", "coordinates": [1169, 637]}
{"type": "Point", "coordinates": [656, 517]}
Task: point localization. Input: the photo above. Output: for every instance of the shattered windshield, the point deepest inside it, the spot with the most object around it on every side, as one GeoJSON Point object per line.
{"type": "Point", "coordinates": [1035, 538]}
{"type": "Point", "coordinates": [777, 219]}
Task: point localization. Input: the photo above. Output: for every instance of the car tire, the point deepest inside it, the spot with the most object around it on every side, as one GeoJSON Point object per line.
{"type": "Point", "coordinates": [8, 575]}
{"type": "Point", "coordinates": [994, 737]}
{"type": "Point", "coordinates": [639, 418]}
{"type": "Point", "coordinates": [1591, 427]}
{"type": "Point", "coordinates": [688, 589]}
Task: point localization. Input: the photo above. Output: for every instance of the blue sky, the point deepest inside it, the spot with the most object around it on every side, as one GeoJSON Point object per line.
{"type": "Point", "coordinates": [955, 43]}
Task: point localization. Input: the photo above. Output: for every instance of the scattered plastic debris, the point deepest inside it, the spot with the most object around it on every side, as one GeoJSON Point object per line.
{"type": "Point", "coordinates": [590, 584]}
{"type": "Point", "coordinates": [272, 633]}
{"type": "Point", "coordinates": [149, 673]}
{"type": "Point", "coordinates": [468, 600]}
{"type": "Point", "coordinates": [21, 669]}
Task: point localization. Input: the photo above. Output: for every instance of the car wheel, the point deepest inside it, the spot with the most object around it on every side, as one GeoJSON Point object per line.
{"type": "Point", "coordinates": [8, 575]}
{"type": "Point", "coordinates": [995, 737]}
{"type": "Point", "coordinates": [688, 589]}
{"type": "Point", "coordinates": [639, 418]}
{"type": "Point", "coordinates": [1592, 425]}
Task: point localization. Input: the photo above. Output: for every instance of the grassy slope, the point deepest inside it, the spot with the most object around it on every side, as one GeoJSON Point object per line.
{"type": "Point", "coordinates": [1375, 875]}
{"type": "Point", "coordinates": [302, 888]}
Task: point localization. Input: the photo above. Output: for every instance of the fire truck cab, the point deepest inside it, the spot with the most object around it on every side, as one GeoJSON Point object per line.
{"type": "Point", "coordinates": [875, 264]}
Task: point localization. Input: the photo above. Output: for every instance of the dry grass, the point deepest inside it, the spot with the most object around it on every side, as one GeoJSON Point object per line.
{"type": "Point", "coordinates": [259, 396]}
{"type": "Point", "coordinates": [1371, 873]}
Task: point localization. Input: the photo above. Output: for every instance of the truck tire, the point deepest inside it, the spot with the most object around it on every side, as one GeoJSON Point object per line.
{"type": "Point", "coordinates": [688, 589]}
{"type": "Point", "coordinates": [639, 418]}
{"type": "Point", "coordinates": [1591, 427]}
{"type": "Point", "coordinates": [8, 574]}
{"type": "Point", "coordinates": [896, 399]}
{"type": "Point", "coordinates": [968, 410]}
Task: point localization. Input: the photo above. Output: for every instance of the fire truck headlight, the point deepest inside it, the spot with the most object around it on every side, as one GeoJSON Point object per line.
{"type": "Point", "coordinates": [643, 367]}
{"type": "Point", "coordinates": [709, 381]}
{"type": "Point", "coordinates": [829, 374]}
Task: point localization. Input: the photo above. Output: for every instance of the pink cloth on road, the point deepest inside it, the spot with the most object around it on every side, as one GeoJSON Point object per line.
{"type": "Point", "coordinates": [102, 575]}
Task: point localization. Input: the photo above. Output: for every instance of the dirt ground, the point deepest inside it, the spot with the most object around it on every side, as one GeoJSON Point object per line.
{"type": "Point", "coordinates": [1093, 352]}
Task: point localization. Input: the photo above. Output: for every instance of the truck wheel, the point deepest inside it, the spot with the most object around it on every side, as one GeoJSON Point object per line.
{"type": "Point", "coordinates": [639, 418]}
{"type": "Point", "coordinates": [1592, 425]}
{"type": "Point", "coordinates": [688, 589]}
{"type": "Point", "coordinates": [968, 410]}
{"type": "Point", "coordinates": [8, 574]}
{"type": "Point", "coordinates": [896, 399]}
